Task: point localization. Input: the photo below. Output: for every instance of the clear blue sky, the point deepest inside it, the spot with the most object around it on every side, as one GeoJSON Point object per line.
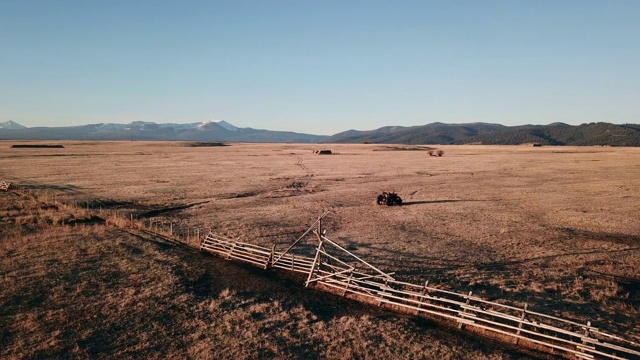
{"type": "Point", "coordinates": [319, 66]}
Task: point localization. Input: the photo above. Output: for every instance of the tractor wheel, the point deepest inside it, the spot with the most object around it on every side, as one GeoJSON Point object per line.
{"type": "Point", "coordinates": [398, 201]}
{"type": "Point", "coordinates": [390, 200]}
{"type": "Point", "coordinates": [380, 200]}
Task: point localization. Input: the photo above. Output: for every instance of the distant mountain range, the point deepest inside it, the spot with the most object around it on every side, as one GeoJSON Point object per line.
{"type": "Point", "coordinates": [214, 130]}
{"type": "Point", "coordinates": [434, 133]}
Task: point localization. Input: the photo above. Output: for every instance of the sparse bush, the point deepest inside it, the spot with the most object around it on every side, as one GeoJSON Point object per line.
{"type": "Point", "coordinates": [440, 152]}
{"type": "Point", "coordinates": [297, 185]}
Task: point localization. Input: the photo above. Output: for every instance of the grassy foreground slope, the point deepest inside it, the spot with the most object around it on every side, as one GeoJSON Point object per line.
{"type": "Point", "coordinates": [97, 291]}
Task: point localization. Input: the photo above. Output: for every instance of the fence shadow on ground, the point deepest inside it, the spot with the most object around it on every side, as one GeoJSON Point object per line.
{"type": "Point", "coordinates": [48, 187]}
{"type": "Point", "coordinates": [420, 202]}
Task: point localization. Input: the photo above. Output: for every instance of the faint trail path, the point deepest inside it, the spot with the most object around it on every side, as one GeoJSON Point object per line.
{"type": "Point", "coordinates": [169, 209]}
{"type": "Point", "coordinates": [304, 167]}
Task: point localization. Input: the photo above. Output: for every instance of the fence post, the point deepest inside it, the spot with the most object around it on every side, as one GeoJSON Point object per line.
{"type": "Point", "coordinates": [587, 335]}
{"type": "Point", "coordinates": [383, 292]}
{"type": "Point", "coordinates": [464, 310]}
{"type": "Point", "coordinates": [344, 292]}
{"type": "Point", "coordinates": [270, 259]}
{"type": "Point", "coordinates": [524, 315]}
{"type": "Point", "coordinates": [424, 292]}
{"type": "Point", "coordinates": [231, 251]}
{"type": "Point", "coordinates": [315, 260]}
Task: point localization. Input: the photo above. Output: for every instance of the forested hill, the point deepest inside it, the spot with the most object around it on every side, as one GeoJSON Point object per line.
{"type": "Point", "coordinates": [495, 134]}
{"type": "Point", "coordinates": [434, 133]}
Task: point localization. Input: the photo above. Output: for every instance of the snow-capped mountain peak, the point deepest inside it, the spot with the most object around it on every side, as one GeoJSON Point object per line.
{"type": "Point", "coordinates": [221, 123]}
{"type": "Point", "coordinates": [11, 125]}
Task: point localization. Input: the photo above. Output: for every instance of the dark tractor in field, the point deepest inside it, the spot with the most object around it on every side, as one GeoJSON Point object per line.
{"type": "Point", "coordinates": [389, 199]}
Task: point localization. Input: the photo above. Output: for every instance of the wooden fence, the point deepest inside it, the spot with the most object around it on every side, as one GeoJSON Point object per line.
{"type": "Point", "coordinates": [364, 282]}
{"type": "Point", "coordinates": [255, 255]}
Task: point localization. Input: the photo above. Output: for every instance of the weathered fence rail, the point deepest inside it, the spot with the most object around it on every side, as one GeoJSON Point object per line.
{"type": "Point", "coordinates": [254, 254]}
{"type": "Point", "coordinates": [291, 262]}
{"type": "Point", "coordinates": [568, 337]}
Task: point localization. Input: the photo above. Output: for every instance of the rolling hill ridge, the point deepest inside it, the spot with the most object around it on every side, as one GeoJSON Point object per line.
{"type": "Point", "coordinates": [496, 134]}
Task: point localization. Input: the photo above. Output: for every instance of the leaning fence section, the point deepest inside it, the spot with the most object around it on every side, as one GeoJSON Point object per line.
{"type": "Point", "coordinates": [254, 254]}
{"type": "Point", "coordinates": [337, 272]}
{"type": "Point", "coordinates": [581, 340]}
{"type": "Point", "coordinates": [292, 262]}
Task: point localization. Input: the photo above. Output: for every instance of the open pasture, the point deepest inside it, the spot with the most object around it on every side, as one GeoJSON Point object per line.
{"type": "Point", "coordinates": [554, 227]}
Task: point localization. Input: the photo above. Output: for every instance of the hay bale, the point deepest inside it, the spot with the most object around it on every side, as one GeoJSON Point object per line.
{"type": "Point", "coordinates": [323, 152]}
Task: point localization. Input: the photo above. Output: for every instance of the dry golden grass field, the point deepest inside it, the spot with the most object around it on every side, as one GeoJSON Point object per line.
{"type": "Point", "coordinates": [555, 227]}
